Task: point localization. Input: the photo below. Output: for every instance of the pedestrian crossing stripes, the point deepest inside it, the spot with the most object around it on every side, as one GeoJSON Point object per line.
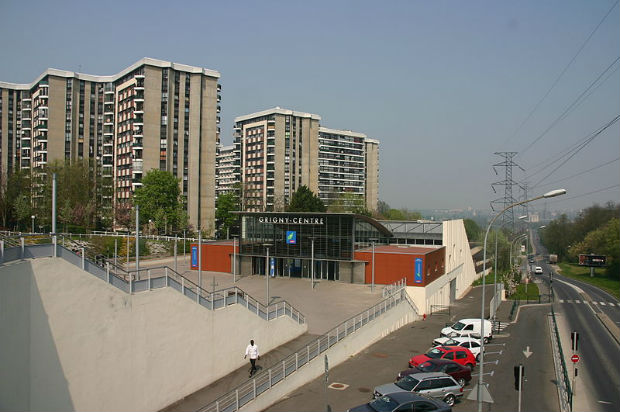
{"type": "Point", "coordinates": [613, 305]}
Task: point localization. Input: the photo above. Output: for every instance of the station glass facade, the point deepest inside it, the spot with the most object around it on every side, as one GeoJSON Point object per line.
{"type": "Point", "coordinates": [295, 241]}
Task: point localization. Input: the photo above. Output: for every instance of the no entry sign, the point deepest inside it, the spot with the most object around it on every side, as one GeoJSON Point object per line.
{"type": "Point", "coordinates": [574, 358]}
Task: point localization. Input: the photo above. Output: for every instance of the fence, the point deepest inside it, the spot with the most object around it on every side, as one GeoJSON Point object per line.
{"type": "Point", "coordinates": [132, 281]}
{"type": "Point", "coordinates": [567, 394]}
{"type": "Point", "coordinates": [249, 390]}
{"type": "Point", "coordinates": [389, 290]}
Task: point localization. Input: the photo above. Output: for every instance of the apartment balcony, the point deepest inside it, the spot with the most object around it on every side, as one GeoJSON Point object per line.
{"type": "Point", "coordinates": [108, 89]}
{"type": "Point", "coordinates": [137, 144]}
{"type": "Point", "coordinates": [139, 97]}
{"type": "Point", "coordinates": [139, 86]}
{"type": "Point", "coordinates": [139, 75]}
{"type": "Point", "coordinates": [137, 166]}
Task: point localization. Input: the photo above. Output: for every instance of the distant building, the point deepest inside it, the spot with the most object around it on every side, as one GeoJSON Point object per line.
{"type": "Point", "coordinates": [152, 115]}
{"type": "Point", "coordinates": [278, 150]}
{"type": "Point", "coordinates": [226, 169]}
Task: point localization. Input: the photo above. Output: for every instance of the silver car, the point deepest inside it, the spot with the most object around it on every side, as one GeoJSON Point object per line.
{"type": "Point", "coordinates": [432, 384]}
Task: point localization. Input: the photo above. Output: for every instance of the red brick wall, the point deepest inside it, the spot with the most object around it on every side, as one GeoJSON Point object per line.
{"type": "Point", "coordinates": [216, 258]}
{"type": "Point", "coordinates": [392, 267]}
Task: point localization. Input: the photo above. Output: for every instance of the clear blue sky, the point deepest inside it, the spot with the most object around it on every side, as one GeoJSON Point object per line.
{"type": "Point", "coordinates": [442, 84]}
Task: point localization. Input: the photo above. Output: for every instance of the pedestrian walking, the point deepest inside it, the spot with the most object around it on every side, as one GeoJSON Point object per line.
{"type": "Point", "coordinates": [252, 351]}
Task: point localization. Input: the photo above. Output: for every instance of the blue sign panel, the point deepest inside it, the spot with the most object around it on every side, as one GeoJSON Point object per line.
{"type": "Point", "coordinates": [194, 256]}
{"type": "Point", "coordinates": [291, 237]}
{"type": "Point", "coordinates": [417, 274]}
{"type": "Point", "coordinates": [272, 267]}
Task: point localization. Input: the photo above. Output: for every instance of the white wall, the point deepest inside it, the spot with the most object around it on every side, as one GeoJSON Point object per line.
{"type": "Point", "coordinates": [457, 253]}
{"type": "Point", "coordinates": [77, 343]}
{"type": "Point", "coordinates": [387, 323]}
{"type": "Point", "coordinates": [459, 265]}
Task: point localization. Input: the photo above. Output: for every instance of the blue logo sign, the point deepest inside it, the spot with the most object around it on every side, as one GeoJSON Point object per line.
{"type": "Point", "coordinates": [272, 264]}
{"type": "Point", "coordinates": [195, 256]}
{"type": "Point", "coordinates": [291, 237]}
{"type": "Point", "coordinates": [417, 274]}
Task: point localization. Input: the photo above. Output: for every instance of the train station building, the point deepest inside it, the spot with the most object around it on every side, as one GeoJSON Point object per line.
{"type": "Point", "coordinates": [433, 258]}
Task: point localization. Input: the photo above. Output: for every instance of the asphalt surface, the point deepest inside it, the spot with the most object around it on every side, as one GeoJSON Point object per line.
{"type": "Point", "coordinates": [597, 386]}
{"type": "Point", "coordinates": [381, 362]}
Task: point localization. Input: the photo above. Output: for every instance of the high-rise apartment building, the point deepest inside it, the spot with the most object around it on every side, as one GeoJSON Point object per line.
{"type": "Point", "coordinates": [152, 115]}
{"type": "Point", "coordinates": [226, 169]}
{"type": "Point", "coordinates": [279, 150]}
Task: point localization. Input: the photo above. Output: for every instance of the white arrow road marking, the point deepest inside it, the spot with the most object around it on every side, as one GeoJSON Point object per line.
{"type": "Point", "coordinates": [527, 352]}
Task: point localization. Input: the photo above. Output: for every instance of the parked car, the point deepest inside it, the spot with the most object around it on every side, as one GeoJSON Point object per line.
{"type": "Point", "coordinates": [538, 270]}
{"type": "Point", "coordinates": [402, 401]}
{"type": "Point", "coordinates": [443, 339]}
{"type": "Point", "coordinates": [468, 326]}
{"type": "Point", "coordinates": [473, 344]}
{"type": "Point", "coordinates": [460, 373]}
{"type": "Point", "coordinates": [458, 354]}
{"type": "Point", "coordinates": [433, 384]}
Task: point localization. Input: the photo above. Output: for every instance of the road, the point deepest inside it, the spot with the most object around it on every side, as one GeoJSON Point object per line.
{"type": "Point", "coordinates": [597, 386]}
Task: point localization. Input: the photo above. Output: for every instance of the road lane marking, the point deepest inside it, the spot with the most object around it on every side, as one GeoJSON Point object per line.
{"type": "Point", "coordinates": [605, 402]}
{"type": "Point", "coordinates": [577, 301]}
{"type": "Point", "coordinates": [611, 304]}
{"type": "Point", "coordinates": [603, 303]}
{"type": "Point", "coordinates": [561, 300]}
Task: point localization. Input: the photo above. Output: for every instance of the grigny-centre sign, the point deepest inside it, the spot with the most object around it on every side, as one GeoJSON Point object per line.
{"type": "Point", "coordinates": [292, 220]}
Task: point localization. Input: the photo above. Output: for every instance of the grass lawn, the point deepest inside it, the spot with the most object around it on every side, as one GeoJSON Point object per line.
{"type": "Point", "coordinates": [532, 292]}
{"type": "Point", "coordinates": [599, 280]}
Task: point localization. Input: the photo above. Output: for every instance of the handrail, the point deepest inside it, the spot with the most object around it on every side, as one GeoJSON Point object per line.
{"type": "Point", "coordinates": [565, 377]}
{"type": "Point", "coordinates": [128, 279]}
{"type": "Point", "coordinates": [394, 287]}
{"type": "Point", "coordinates": [233, 400]}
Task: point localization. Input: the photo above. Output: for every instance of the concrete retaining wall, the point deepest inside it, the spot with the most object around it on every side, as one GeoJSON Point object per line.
{"type": "Point", "coordinates": [394, 319]}
{"type": "Point", "coordinates": [73, 342]}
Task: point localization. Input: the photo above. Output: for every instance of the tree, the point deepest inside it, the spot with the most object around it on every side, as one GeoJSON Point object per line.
{"type": "Point", "coordinates": [14, 187]}
{"type": "Point", "coordinates": [349, 202]}
{"type": "Point", "coordinates": [159, 200]}
{"type": "Point", "coordinates": [225, 204]}
{"type": "Point", "coordinates": [304, 200]}
{"type": "Point", "coordinates": [472, 229]}
{"type": "Point", "coordinates": [602, 241]}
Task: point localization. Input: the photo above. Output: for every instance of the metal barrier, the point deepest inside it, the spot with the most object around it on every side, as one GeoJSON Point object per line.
{"type": "Point", "coordinates": [263, 381]}
{"type": "Point", "coordinates": [389, 290]}
{"type": "Point", "coordinates": [565, 379]}
{"type": "Point", "coordinates": [133, 281]}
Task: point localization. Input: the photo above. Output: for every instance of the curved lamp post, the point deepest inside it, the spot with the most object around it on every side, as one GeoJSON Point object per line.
{"type": "Point", "coordinates": [552, 193]}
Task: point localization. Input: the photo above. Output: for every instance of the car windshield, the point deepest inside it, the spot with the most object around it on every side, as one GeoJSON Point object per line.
{"type": "Point", "coordinates": [407, 383]}
{"type": "Point", "coordinates": [458, 326]}
{"type": "Point", "coordinates": [383, 404]}
{"type": "Point", "coordinates": [451, 342]}
{"type": "Point", "coordinates": [434, 353]}
{"type": "Point", "coordinates": [426, 367]}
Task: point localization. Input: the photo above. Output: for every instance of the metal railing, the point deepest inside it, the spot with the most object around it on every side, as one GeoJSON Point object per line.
{"type": "Point", "coordinates": [278, 372]}
{"type": "Point", "coordinates": [132, 281]}
{"type": "Point", "coordinates": [389, 290]}
{"type": "Point", "coordinates": [568, 393]}
{"type": "Point", "coordinates": [441, 308]}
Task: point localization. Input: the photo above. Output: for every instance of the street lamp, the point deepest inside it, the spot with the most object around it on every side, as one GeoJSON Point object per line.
{"type": "Point", "coordinates": [234, 259]}
{"type": "Point", "coordinates": [32, 217]}
{"type": "Point", "coordinates": [552, 193]}
{"type": "Point", "coordinates": [312, 262]}
{"type": "Point", "coordinates": [267, 245]}
{"type": "Point", "coordinates": [372, 284]}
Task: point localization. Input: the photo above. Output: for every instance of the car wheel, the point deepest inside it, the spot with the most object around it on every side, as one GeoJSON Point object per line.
{"type": "Point", "coordinates": [486, 340]}
{"type": "Point", "coordinates": [461, 382]}
{"type": "Point", "coordinates": [449, 400]}
{"type": "Point", "coordinates": [478, 358]}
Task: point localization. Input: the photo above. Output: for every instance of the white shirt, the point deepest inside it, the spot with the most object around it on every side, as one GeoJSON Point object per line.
{"type": "Point", "coordinates": [252, 351]}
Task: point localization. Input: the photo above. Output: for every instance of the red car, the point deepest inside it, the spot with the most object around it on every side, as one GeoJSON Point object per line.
{"type": "Point", "coordinates": [458, 354]}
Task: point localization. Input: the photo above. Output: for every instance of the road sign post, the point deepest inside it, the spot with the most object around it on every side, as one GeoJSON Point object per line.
{"type": "Point", "coordinates": [519, 372]}
{"type": "Point", "coordinates": [574, 337]}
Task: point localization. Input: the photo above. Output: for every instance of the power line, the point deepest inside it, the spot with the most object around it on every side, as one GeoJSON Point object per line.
{"type": "Point", "coordinates": [584, 144]}
{"type": "Point", "coordinates": [556, 81]}
{"type": "Point", "coordinates": [545, 163]}
{"type": "Point", "coordinates": [570, 107]}
{"type": "Point", "coordinates": [581, 173]}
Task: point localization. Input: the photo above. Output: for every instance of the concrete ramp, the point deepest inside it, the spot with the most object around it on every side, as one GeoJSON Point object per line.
{"type": "Point", "coordinates": [70, 341]}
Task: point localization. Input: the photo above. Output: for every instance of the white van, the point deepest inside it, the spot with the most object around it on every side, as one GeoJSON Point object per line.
{"type": "Point", "coordinates": [466, 327]}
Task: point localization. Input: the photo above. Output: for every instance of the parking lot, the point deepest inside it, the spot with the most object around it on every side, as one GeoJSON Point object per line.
{"type": "Point", "coordinates": [352, 382]}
